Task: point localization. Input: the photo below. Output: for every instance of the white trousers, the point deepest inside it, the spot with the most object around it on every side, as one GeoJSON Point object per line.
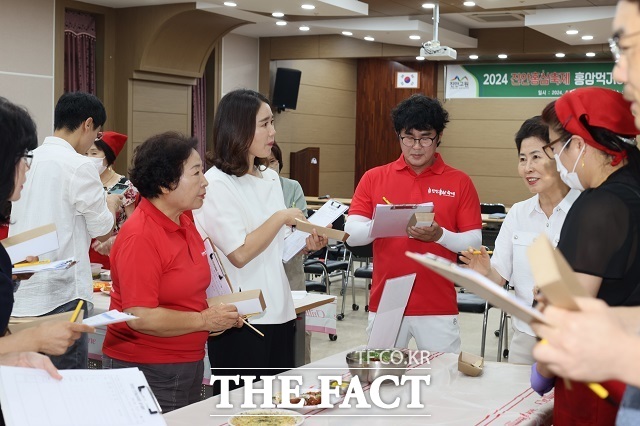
{"type": "Point", "coordinates": [521, 347]}
{"type": "Point", "coordinates": [434, 333]}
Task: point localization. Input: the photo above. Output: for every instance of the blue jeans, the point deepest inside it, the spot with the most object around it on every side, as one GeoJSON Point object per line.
{"type": "Point", "coordinates": [77, 355]}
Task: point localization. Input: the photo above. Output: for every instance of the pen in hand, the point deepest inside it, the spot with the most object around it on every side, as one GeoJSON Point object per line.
{"type": "Point", "coordinates": [74, 317]}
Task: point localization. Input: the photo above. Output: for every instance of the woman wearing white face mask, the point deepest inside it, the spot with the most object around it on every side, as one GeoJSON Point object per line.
{"type": "Point", "coordinates": [104, 152]}
{"type": "Point", "coordinates": [593, 142]}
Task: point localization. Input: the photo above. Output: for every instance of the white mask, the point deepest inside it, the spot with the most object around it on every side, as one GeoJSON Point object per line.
{"type": "Point", "coordinates": [98, 163]}
{"type": "Point", "coordinates": [569, 178]}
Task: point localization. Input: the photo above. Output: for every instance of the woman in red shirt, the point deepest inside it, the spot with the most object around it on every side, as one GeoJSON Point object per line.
{"type": "Point", "coordinates": [160, 274]}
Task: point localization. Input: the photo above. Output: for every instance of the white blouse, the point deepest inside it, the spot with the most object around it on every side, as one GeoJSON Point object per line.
{"type": "Point", "coordinates": [524, 222]}
{"type": "Point", "coordinates": [233, 208]}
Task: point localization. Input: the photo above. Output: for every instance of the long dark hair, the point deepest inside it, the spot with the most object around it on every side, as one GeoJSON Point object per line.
{"type": "Point", "coordinates": [17, 136]}
{"type": "Point", "coordinates": [234, 130]}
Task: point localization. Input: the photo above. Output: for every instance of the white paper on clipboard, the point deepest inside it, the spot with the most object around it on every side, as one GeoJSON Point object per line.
{"type": "Point", "coordinates": [325, 215]}
{"type": "Point", "coordinates": [386, 324]}
{"type": "Point", "coordinates": [219, 284]}
{"type": "Point", "coordinates": [480, 285]}
{"type": "Point", "coordinates": [390, 220]}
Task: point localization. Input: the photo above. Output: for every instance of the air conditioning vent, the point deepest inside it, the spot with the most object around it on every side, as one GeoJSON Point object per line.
{"type": "Point", "coordinates": [497, 17]}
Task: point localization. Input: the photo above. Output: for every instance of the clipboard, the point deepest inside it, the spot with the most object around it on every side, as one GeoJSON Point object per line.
{"type": "Point", "coordinates": [17, 324]}
{"type": "Point", "coordinates": [386, 324]}
{"type": "Point", "coordinates": [249, 302]}
{"type": "Point", "coordinates": [480, 285]}
{"type": "Point", "coordinates": [34, 242]}
{"type": "Point", "coordinates": [391, 220]}
{"type": "Point", "coordinates": [125, 388]}
{"type": "Point", "coordinates": [219, 284]}
{"type": "Point", "coordinates": [553, 275]}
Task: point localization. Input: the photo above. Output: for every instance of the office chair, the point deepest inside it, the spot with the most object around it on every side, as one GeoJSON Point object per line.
{"type": "Point", "coordinates": [470, 303]}
{"type": "Point", "coordinates": [490, 230]}
{"type": "Point", "coordinates": [489, 208]}
{"type": "Point", "coordinates": [329, 261]}
{"type": "Point", "coordinates": [362, 253]}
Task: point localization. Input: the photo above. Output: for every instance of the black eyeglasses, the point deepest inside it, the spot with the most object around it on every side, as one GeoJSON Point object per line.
{"type": "Point", "coordinates": [410, 141]}
{"type": "Point", "coordinates": [28, 158]}
{"type": "Point", "coordinates": [548, 148]}
{"type": "Point", "coordinates": [614, 44]}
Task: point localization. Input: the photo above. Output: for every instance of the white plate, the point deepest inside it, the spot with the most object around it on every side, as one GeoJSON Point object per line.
{"type": "Point", "coordinates": [252, 417]}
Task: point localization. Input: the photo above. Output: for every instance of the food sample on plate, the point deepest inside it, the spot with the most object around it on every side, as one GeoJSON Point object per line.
{"type": "Point", "coordinates": [342, 386]}
{"type": "Point", "coordinates": [99, 285]}
{"type": "Point", "coordinates": [266, 418]}
{"type": "Point", "coordinates": [310, 397]}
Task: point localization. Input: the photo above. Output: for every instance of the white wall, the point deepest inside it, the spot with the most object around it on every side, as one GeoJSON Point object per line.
{"type": "Point", "coordinates": [26, 58]}
{"type": "Point", "coordinates": [240, 58]}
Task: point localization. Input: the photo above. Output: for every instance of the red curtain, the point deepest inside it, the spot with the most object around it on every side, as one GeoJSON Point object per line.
{"type": "Point", "coordinates": [199, 116]}
{"type": "Point", "coordinates": [79, 52]}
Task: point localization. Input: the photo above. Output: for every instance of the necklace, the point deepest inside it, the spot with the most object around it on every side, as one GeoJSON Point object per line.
{"type": "Point", "coordinates": [106, 182]}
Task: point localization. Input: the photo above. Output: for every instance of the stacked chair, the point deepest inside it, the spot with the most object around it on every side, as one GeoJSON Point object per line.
{"type": "Point", "coordinates": [331, 260]}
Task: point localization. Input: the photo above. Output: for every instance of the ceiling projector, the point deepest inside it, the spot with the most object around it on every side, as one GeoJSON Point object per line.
{"type": "Point", "coordinates": [431, 50]}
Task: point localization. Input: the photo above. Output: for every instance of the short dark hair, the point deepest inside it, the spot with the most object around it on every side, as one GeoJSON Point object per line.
{"type": "Point", "coordinates": [159, 163]}
{"type": "Point", "coordinates": [109, 155]}
{"type": "Point", "coordinates": [74, 108]}
{"type": "Point", "coordinates": [234, 128]}
{"type": "Point", "coordinates": [534, 127]}
{"type": "Point", "coordinates": [17, 136]}
{"type": "Point", "coordinates": [277, 154]}
{"type": "Point", "coordinates": [419, 112]}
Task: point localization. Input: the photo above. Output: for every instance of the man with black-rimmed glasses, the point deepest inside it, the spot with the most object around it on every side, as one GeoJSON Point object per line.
{"type": "Point", "coordinates": [419, 175]}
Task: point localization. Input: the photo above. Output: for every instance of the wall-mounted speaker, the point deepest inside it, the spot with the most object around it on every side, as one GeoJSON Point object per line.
{"type": "Point", "coordinates": [285, 89]}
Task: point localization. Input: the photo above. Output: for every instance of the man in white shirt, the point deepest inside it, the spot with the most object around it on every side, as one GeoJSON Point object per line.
{"type": "Point", "coordinates": [63, 187]}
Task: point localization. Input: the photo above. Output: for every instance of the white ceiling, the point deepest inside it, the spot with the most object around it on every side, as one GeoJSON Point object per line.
{"type": "Point", "coordinates": [393, 21]}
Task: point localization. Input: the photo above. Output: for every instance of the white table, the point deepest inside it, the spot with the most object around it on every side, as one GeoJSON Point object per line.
{"type": "Point", "coordinates": [500, 396]}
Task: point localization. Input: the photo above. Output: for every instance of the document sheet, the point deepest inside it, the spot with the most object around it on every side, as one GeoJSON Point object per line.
{"type": "Point", "coordinates": [391, 220]}
{"type": "Point", "coordinates": [329, 212]}
{"type": "Point", "coordinates": [32, 268]}
{"type": "Point", "coordinates": [112, 317]}
{"type": "Point", "coordinates": [219, 284]}
{"type": "Point", "coordinates": [393, 302]}
{"type": "Point", "coordinates": [119, 397]}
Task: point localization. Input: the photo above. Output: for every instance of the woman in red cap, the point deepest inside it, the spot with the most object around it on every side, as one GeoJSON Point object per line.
{"type": "Point", "coordinates": [593, 140]}
{"type": "Point", "coordinates": [104, 152]}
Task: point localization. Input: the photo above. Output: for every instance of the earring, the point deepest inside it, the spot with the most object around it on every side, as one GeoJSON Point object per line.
{"type": "Point", "coordinates": [583, 161]}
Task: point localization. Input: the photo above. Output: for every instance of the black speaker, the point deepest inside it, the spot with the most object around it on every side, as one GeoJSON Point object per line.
{"type": "Point", "coordinates": [285, 89]}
